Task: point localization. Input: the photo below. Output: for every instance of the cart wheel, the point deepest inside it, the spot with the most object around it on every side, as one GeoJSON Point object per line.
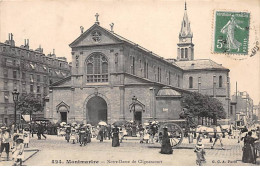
{"type": "Point", "coordinates": [175, 133]}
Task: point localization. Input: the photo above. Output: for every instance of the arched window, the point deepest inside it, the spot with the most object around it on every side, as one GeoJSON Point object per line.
{"type": "Point", "coordinates": [186, 53]}
{"type": "Point", "coordinates": [190, 82]}
{"type": "Point", "coordinates": [220, 81]}
{"type": "Point", "coordinates": [182, 53]}
{"type": "Point", "coordinates": [97, 68]}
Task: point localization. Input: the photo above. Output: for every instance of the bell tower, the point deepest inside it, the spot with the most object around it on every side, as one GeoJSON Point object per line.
{"type": "Point", "coordinates": [185, 50]}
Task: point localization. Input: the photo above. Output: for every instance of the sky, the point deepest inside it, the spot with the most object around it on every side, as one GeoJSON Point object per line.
{"type": "Point", "coordinates": [153, 24]}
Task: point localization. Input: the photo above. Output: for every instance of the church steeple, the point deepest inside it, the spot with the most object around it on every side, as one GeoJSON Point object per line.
{"type": "Point", "coordinates": [185, 45]}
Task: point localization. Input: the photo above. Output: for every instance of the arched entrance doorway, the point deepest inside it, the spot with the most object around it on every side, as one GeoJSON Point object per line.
{"type": "Point", "coordinates": [97, 110]}
{"type": "Point", "coordinates": [63, 109]}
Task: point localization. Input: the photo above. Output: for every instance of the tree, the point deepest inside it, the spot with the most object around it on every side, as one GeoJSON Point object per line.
{"type": "Point", "coordinates": [203, 107]}
{"type": "Point", "coordinates": [28, 104]}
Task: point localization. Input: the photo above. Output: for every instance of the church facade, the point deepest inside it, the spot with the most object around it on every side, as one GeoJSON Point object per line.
{"type": "Point", "coordinates": [115, 79]}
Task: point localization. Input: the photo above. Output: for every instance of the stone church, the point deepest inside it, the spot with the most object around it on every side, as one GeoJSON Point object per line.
{"type": "Point", "coordinates": [114, 79]}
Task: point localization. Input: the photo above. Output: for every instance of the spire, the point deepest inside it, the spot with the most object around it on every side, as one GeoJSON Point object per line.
{"type": "Point", "coordinates": [185, 25]}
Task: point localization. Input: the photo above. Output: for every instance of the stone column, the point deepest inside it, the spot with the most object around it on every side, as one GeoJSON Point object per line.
{"type": "Point", "coordinates": [122, 103]}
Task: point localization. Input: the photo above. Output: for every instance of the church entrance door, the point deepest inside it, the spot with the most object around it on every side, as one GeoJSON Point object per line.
{"type": "Point", "coordinates": [138, 117]}
{"type": "Point", "coordinates": [97, 110]}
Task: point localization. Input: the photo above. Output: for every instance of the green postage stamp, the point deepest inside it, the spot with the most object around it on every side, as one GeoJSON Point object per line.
{"type": "Point", "coordinates": [231, 32]}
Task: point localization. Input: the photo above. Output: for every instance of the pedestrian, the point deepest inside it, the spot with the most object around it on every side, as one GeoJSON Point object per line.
{"type": "Point", "coordinates": [141, 133]}
{"type": "Point", "coordinates": [218, 136]}
{"type": "Point", "coordinates": [109, 131]}
{"type": "Point", "coordinates": [100, 136]}
{"type": "Point", "coordinates": [26, 137]}
{"type": "Point", "coordinates": [146, 134]}
{"type": "Point", "coordinates": [88, 134]}
{"type": "Point", "coordinates": [166, 145]}
{"type": "Point", "coordinates": [68, 131]}
{"type": "Point", "coordinates": [18, 151]}
{"type": "Point", "coordinates": [115, 137]}
{"type": "Point", "coordinates": [200, 153]}
{"type": "Point", "coordinates": [82, 136]}
{"type": "Point", "coordinates": [73, 136]}
{"type": "Point", "coordinates": [5, 143]}
{"type": "Point", "coordinates": [249, 154]}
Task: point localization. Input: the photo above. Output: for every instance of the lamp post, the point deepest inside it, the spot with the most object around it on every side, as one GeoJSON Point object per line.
{"type": "Point", "coordinates": [134, 99]}
{"type": "Point", "coordinates": [15, 99]}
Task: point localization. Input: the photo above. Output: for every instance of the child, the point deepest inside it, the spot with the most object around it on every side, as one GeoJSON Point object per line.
{"type": "Point", "coordinates": [26, 137]}
{"type": "Point", "coordinates": [18, 151]}
{"type": "Point", "coordinates": [200, 153]}
{"type": "Point", "coordinates": [73, 136]}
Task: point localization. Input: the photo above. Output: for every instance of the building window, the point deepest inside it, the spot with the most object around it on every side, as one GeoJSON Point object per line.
{"type": "Point", "coordinates": [186, 53]}
{"type": "Point", "coordinates": [145, 70]}
{"type": "Point", "coordinates": [14, 74]}
{"type": "Point", "coordinates": [6, 85]}
{"type": "Point", "coordinates": [169, 78]}
{"type": "Point", "coordinates": [44, 79]}
{"type": "Point", "coordinates": [158, 72]}
{"type": "Point", "coordinates": [38, 78]}
{"type": "Point", "coordinates": [15, 85]}
{"type": "Point", "coordinates": [97, 68]}
{"type": "Point", "coordinates": [38, 89]}
{"type": "Point", "coordinates": [31, 88]}
{"type": "Point", "coordinates": [60, 64]}
{"type": "Point", "coordinates": [45, 90]}
{"type": "Point", "coordinates": [23, 75]}
{"type": "Point", "coordinates": [6, 97]}
{"type": "Point", "coordinates": [31, 78]}
{"type": "Point", "coordinates": [190, 82]}
{"type": "Point", "coordinates": [24, 87]}
{"type": "Point", "coordinates": [5, 73]}
{"type": "Point", "coordinates": [178, 80]}
{"type": "Point", "coordinates": [133, 65]}
{"type": "Point", "coordinates": [50, 81]}
{"type": "Point", "coordinates": [14, 62]}
{"type": "Point", "coordinates": [182, 53]}
{"type": "Point", "coordinates": [220, 81]}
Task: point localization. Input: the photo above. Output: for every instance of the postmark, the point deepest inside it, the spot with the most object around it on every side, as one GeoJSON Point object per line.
{"type": "Point", "coordinates": [231, 32]}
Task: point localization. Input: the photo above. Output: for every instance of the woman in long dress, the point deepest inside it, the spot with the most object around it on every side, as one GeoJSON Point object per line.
{"type": "Point", "coordinates": [115, 137]}
{"type": "Point", "coordinates": [166, 145]}
{"type": "Point", "coordinates": [249, 155]}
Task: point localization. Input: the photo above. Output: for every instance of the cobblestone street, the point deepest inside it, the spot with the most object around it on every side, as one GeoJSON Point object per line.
{"type": "Point", "coordinates": [56, 151]}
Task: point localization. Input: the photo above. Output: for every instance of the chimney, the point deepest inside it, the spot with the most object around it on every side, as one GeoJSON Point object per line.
{"type": "Point", "coordinates": [28, 43]}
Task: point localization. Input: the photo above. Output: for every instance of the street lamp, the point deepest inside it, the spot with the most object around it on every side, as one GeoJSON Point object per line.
{"type": "Point", "coordinates": [134, 99]}
{"type": "Point", "coordinates": [15, 99]}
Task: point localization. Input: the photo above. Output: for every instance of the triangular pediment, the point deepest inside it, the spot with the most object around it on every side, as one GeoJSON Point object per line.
{"type": "Point", "coordinates": [95, 35]}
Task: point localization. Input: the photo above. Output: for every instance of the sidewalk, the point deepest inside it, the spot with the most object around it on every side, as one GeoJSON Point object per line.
{"type": "Point", "coordinates": [28, 153]}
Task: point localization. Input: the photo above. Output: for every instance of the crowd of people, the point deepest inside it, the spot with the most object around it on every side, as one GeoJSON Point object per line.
{"type": "Point", "coordinates": [15, 139]}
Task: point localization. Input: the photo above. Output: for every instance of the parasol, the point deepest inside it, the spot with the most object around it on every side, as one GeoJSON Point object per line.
{"type": "Point", "coordinates": [120, 123]}
{"type": "Point", "coordinates": [102, 123]}
{"type": "Point", "coordinates": [62, 123]}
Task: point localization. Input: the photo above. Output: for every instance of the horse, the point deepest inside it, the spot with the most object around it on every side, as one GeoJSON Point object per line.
{"type": "Point", "coordinates": [209, 131]}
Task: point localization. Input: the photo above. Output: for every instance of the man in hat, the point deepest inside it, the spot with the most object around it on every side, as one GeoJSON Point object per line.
{"type": "Point", "coordinates": [5, 142]}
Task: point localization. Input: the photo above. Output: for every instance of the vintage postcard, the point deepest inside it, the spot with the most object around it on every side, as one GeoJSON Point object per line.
{"type": "Point", "coordinates": [129, 83]}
